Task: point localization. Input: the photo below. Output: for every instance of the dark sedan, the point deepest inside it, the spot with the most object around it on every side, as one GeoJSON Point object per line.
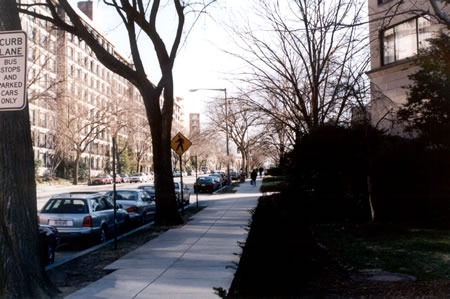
{"type": "Point", "coordinates": [49, 240]}
{"type": "Point", "coordinates": [206, 184]}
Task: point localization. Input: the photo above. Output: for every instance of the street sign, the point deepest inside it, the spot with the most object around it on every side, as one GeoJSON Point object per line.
{"type": "Point", "coordinates": [13, 69]}
{"type": "Point", "coordinates": [180, 144]}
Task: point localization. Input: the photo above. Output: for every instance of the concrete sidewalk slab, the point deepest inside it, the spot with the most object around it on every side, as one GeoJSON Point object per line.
{"type": "Point", "coordinates": [185, 262]}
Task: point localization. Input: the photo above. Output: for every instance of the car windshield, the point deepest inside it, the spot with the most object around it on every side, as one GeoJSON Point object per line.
{"type": "Point", "coordinates": [204, 180]}
{"type": "Point", "coordinates": [65, 206]}
{"type": "Point", "coordinates": [126, 195]}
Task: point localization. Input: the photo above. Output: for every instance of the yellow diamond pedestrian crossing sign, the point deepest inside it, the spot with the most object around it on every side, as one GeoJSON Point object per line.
{"type": "Point", "coordinates": [180, 144]}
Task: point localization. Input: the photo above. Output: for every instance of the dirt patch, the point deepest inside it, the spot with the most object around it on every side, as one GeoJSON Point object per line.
{"type": "Point", "coordinates": [86, 269]}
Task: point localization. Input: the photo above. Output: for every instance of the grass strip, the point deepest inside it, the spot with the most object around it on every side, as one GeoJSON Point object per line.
{"type": "Point", "coordinates": [423, 253]}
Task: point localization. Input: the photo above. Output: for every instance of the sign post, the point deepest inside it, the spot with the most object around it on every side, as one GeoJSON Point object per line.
{"type": "Point", "coordinates": [194, 160]}
{"type": "Point", "coordinates": [180, 144]}
{"type": "Point", "coordinates": [13, 69]}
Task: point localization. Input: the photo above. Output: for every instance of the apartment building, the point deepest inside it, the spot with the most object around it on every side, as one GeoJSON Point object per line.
{"type": "Point", "coordinates": [72, 94]}
{"type": "Point", "coordinates": [398, 30]}
{"type": "Point", "coordinates": [194, 123]}
{"type": "Point", "coordinates": [178, 114]}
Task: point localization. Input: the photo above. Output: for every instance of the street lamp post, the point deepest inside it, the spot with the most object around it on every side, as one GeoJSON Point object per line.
{"type": "Point", "coordinates": [226, 126]}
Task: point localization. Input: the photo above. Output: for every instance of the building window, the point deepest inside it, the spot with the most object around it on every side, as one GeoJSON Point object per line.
{"type": "Point", "coordinates": [41, 140]}
{"type": "Point", "coordinates": [404, 40]}
{"type": "Point", "coordinates": [42, 120]}
{"type": "Point", "coordinates": [31, 116]}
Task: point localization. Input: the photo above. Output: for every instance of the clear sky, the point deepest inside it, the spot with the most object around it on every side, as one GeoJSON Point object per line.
{"type": "Point", "coordinates": [201, 62]}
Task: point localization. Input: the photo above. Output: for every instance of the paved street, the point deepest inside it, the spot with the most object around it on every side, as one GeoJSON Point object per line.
{"type": "Point", "coordinates": [44, 192]}
{"type": "Point", "coordinates": [184, 262]}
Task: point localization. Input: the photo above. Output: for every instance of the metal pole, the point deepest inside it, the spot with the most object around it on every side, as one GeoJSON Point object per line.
{"type": "Point", "coordinates": [181, 187]}
{"type": "Point", "coordinates": [114, 191]}
{"type": "Point", "coordinates": [226, 132]}
{"type": "Point", "coordinates": [90, 150]}
{"type": "Point", "coordinates": [196, 176]}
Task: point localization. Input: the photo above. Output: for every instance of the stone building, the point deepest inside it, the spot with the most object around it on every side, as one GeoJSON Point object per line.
{"type": "Point", "coordinates": [398, 30]}
{"type": "Point", "coordinates": [76, 102]}
{"type": "Point", "coordinates": [194, 123]}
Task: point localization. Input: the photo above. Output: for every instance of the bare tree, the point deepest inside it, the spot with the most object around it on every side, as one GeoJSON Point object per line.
{"type": "Point", "coordinates": [276, 141]}
{"type": "Point", "coordinates": [306, 63]}
{"type": "Point", "coordinates": [121, 124]}
{"type": "Point", "coordinates": [79, 125]}
{"type": "Point", "coordinates": [244, 125]}
{"type": "Point", "coordinates": [142, 144]}
{"type": "Point", "coordinates": [137, 17]}
{"type": "Point", "coordinates": [22, 274]}
{"type": "Point", "coordinates": [203, 147]}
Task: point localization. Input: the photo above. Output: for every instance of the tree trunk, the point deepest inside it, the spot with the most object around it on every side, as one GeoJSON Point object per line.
{"type": "Point", "coordinates": [244, 160]}
{"type": "Point", "coordinates": [138, 164]}
{"type": "Point", "coordinates": [160, 127]}
{"type": "Point", "coordinates": [76, 168]}
{"type": "Point", "coordinates": [21, 273]}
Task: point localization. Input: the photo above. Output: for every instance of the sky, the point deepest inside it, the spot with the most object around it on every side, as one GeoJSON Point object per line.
{"type": "Point", "coordinates": [201, 61]}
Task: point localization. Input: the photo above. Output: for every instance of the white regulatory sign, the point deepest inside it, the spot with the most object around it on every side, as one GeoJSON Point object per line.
{"type": "Point", "coordinates": [13, 70]}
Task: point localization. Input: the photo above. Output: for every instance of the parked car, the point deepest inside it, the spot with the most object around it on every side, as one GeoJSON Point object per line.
{"type": "Point", "coordinates": [85, 215]}
{"type": "Point", "coordinates": [234, 174]}
{"type": "Point", "coordinates": [150, 190]}
{"type": "Point", "coordinates": [222, 178]}
{"type": "Point", "coordinates": [137, 178]}
{"type": "Point", "coordinates": [49, 240]}
{"type": "Point", "coordinates": [118, 179]}
{"type": "Point", "coordinates": [101, 180]}
{"type": "Point", "coordinates": [216, 178]}
{"type": "Point", "coordinates": [175, 174]}
{"type": "Point", "coordinates": [125, 178]}
{"type": "Point", "coordinates": [189, 172]}
{"type": "Point", "coordinates": [206, 184]}
{"type": "Point", "coordinates": [186, 193]}
{"type": "Point", "coordinates": [137, 202]}
{"type": "Point", "coordinates": [149, 176]}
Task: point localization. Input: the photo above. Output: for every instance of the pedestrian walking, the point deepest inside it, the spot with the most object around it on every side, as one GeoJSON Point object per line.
{"type": "Point", "coordinates": [253, 176]}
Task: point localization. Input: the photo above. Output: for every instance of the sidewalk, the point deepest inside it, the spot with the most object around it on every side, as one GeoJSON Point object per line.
{"type": "Point", "coordinates": [185, 262]}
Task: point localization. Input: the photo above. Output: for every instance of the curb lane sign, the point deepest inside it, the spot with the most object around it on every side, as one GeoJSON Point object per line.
{"type": "Point", "coordinates": [13, 69]}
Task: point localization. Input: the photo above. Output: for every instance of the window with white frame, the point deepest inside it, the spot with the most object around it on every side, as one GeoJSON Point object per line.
{"type": "Point", "coordinates": [405, 39]}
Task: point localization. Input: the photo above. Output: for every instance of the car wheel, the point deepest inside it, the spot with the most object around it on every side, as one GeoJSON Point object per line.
{"type": "Point", "coordinates": [102, 237]}
{"type": "Point", "coordinates": [127, 224]}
